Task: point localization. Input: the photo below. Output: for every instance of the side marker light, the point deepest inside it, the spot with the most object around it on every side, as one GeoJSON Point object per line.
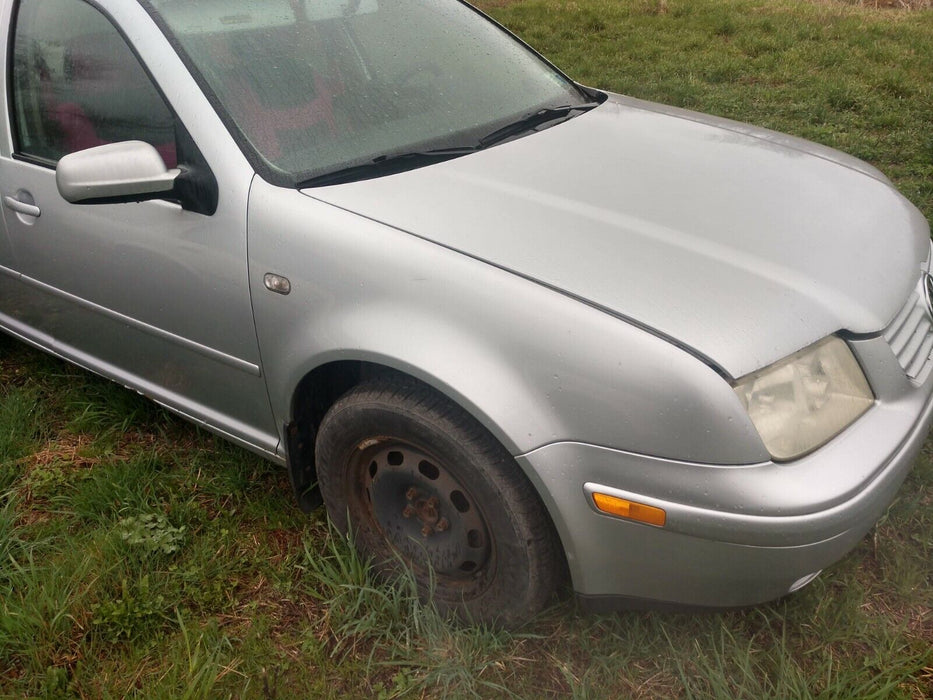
{"type": "Point", "coordinates": [630, 509]}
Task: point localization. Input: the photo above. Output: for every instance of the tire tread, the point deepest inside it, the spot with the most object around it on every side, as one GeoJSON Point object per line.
{"type": "Point", "coordinates": [419, 402]}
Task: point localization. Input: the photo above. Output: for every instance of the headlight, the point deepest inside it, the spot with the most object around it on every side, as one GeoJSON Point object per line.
{"type": "Point", "coordinates": [801, 402]}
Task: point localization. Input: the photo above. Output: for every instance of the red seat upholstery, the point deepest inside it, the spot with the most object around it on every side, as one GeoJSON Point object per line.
{"type": "Point", "coordinates": [109, 99]}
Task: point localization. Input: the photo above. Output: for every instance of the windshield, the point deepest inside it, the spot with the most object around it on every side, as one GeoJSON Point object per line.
{"type": "Point", "coordinates": [317, 86]}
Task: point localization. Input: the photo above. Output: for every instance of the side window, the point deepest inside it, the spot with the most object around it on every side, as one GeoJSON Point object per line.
{"type": "Point", "coordinates": [76, 84]}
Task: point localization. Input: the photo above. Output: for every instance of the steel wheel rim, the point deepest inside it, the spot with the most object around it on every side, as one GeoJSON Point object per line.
{"type": "Point", "coordinates": [423, 512]}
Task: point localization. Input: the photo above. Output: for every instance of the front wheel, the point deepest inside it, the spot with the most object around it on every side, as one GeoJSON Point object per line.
{"type": "Point", "coordinates": [420, 482]}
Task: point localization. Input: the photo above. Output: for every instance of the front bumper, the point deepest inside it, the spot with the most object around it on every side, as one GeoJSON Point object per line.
{"type": "Point", "coordinates": [735, 535]}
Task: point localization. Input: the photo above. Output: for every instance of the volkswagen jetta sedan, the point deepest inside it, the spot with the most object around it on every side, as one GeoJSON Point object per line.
{"type": "Point", "coordinates": [508, 328]}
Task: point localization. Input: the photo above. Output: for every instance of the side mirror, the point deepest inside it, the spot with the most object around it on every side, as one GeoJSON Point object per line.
{"type": "Point", "coordinates": [129, 171]}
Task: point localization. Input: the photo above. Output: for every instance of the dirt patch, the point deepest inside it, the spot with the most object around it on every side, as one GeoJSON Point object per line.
{"type": "Point", "coordinates": [75, 452]}
{"type": "Point", "coordinates": [889, 4]}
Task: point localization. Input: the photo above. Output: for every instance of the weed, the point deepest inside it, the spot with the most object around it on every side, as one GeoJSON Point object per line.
{"type": "Point", "coordinates": [134, 614]}
{"type": "Point", "coordinates": [152, 532]}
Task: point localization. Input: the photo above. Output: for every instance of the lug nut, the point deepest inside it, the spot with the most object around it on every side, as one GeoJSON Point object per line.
{"type": "Point", "coordinates": [411, 494]}
{"type": "Point", "coordinates": [442, 525]}
{"type": "Point", "coordinates": [408, 512]}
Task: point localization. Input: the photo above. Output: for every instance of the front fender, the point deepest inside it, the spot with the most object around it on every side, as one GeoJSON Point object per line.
{"type": "Point", "coordinates": [533, 365]}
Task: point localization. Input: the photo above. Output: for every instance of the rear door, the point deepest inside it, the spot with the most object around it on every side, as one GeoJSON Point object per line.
{"type": "Point", "coordinates": [150, 294]}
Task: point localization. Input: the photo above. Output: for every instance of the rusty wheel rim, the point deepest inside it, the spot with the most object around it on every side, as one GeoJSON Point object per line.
{"type": "Point", "coordinates": [423, 510]}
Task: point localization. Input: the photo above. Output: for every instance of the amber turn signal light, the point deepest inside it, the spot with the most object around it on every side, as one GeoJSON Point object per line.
{"type": "Point", "coordinates": [630, 509]}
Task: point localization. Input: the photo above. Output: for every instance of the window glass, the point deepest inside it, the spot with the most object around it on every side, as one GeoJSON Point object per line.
{"type": "Point", "coordinates": [76, 84]}
{"type": "Point", "coordinates": [314, 85]}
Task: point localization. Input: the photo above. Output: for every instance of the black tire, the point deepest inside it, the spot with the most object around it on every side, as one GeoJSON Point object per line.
{"type": "Point", "coordinates": [423, 483]}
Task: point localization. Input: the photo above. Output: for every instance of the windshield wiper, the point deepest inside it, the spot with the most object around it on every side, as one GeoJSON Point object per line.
{"type": "Point", "coordinates": [530, 121]}
{"type": "Point", "coordinates": [386, 164]}
{"type": "Point", "coordinates": [390, 163]}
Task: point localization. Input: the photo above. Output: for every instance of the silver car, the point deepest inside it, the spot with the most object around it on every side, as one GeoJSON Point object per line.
{"type": "Point", "coordinates": [509, 328]}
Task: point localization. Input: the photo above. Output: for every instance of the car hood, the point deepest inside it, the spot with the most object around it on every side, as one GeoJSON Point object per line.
{"type": "Point", "coordinates": [742, 244]}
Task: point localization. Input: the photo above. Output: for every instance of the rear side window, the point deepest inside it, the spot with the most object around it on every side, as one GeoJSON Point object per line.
{"type": "Point", "coordinates": [76, 84]}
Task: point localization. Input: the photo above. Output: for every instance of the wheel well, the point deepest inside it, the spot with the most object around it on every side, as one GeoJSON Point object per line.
{"type": "Point", "coordinates": [313, 397]}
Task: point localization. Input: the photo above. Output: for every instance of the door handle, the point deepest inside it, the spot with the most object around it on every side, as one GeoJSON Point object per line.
{"type": "Point", "coordinates": [21, 207]}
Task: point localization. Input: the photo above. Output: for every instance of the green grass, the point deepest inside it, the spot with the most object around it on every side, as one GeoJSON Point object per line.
{"type": "Point", "coordinates": [140, 557]}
